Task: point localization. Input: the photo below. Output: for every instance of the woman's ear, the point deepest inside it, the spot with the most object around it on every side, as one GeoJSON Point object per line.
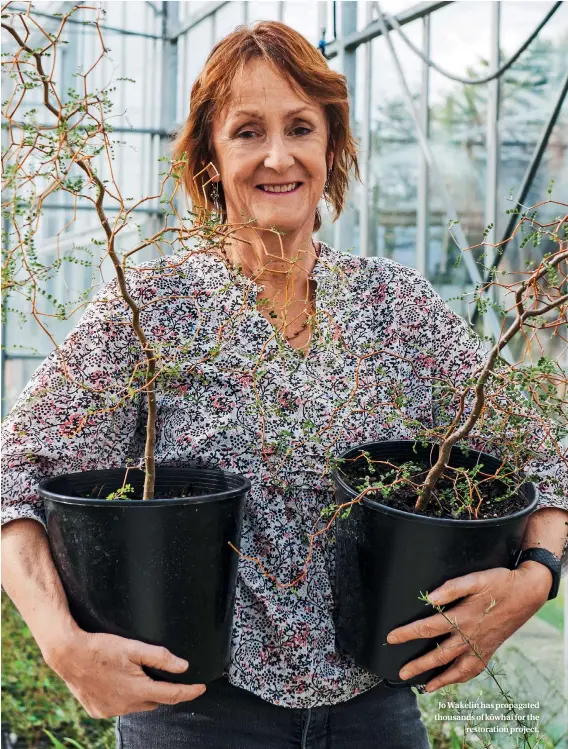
{"type": "Point", "coordinates": [330, 160]}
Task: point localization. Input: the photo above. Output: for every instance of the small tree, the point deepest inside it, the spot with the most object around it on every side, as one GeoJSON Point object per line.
{"type": "Point", "coordinates": [62, 158]}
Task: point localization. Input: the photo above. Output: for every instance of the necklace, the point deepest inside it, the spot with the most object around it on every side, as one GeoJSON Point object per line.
{"type": "Point", "coordinates": [302, 327]}
{"type": "Point", "coordinates": [312, 295]}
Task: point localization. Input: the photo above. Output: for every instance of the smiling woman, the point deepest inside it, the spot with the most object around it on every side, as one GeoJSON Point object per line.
{"type": "Point", "coordinates": [267, 136]}
{"type": "Point", "coordinates": [229, 80]}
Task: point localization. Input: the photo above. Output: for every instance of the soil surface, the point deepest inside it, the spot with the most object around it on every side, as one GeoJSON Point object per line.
{"type": "Point", "coordinates": [490, 499]}
{"type": "Point", "coordinates": [102, 492]}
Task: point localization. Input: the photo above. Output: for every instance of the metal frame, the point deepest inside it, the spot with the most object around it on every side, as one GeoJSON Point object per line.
{"type": "Point", "coordinates": [373, 30]}
{"type": "Point", "coordinates": [492, 136]}
{"type": "Point", "coordinates": [422, 213]}
{"type": "Point", "coordinates": [344, 226]}
{"type": "Point", "coordinates": [103, 27]}
{"type": "Point", "coordinates": [366, 145]}
{"type": "Point", "coordinates": [201, 15]}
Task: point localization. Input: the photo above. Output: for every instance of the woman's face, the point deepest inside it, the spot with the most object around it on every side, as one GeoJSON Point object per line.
{"type": "Point", "coordinates": [268, 140]}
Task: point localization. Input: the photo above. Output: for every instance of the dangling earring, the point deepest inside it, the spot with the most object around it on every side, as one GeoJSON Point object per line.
{"type": "Point", "coordinates": [215, 197]}
{"type": "Point", "coordinates": [326, 186]}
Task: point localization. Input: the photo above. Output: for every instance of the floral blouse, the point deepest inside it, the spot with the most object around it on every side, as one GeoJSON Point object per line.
{"type": "Point", "coordinates": [248, 402]}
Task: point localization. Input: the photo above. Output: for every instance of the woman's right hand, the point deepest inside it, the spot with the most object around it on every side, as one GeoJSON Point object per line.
{"type": "Point", "coordinates": [104, 672]}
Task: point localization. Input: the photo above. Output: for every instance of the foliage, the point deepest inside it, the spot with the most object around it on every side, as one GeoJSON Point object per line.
{"type": "Point", "coordinates": [35, 698]}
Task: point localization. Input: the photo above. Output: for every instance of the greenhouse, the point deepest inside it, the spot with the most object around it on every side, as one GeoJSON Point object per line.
{"type": "Point", "coordinates": [144, 362]}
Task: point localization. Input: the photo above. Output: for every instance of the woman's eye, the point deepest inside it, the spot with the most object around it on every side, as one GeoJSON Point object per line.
{"type": "Point", "coordinates": [247, 133]}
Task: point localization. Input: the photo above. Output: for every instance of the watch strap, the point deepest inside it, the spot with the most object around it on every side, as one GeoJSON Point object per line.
{"type": "Point", "coordinates": [548, 559]}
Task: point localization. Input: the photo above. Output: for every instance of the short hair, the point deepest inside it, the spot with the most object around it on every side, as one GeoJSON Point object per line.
{"type": "Point", "coordinates": [307, 71]}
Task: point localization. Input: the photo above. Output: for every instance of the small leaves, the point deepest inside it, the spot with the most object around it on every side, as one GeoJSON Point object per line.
{"type": "Point", "coordinates": [124, 492]}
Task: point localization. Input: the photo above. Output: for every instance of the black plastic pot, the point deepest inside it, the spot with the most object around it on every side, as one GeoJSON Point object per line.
{"type": "Point", "coordinates": [161, 570]}
{"type": "Point", "coordinates": [385, 559]}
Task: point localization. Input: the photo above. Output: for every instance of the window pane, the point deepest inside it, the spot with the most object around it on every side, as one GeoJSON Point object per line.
{"type": "Point", "coordinates": [394, 151]}
{"type": "Point", "coordinates": [458, 115]}
{"type": "Point", "coordinates": [262, 11]}
{"type": "Point", "coordinates": [227, 19]}
{"type": "Point", "coordinates": [304, 18]}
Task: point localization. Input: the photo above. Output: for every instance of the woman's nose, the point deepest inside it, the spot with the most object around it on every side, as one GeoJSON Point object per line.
{"type": "Point", "coordinates": [278, 157]}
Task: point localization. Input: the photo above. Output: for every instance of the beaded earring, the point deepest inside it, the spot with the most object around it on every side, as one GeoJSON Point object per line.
{"type": "Point", "coordinates": [326, 186]}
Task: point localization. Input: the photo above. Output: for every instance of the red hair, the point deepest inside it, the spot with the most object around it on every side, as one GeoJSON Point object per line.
{"type": "Point", "coordinates": [309, 74]}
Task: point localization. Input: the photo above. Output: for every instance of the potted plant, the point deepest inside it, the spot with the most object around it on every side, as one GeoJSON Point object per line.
{"type": "Point", "coordinates": [144, 551]}
{"type": "Point", "coordinates": [456, 499]}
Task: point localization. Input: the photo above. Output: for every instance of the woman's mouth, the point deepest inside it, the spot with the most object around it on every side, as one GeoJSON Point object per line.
{"type": "Point", "coordinates": [284, 189]}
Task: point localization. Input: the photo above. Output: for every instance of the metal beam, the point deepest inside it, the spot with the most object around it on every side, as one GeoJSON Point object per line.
{"type": "Point", "coordinates": [169, 71]}
{"type": "Point", "coordinates": [157, 11]}
{"type": "Point", "coordinates": [344, 226]}
{"type": "Point", "coordinates": [208, 10]}
{"type": "Point", "coordinates": [10, 357]}
{"type": "Point", "coordinates": [373, 30]}
{"type": "Point", "coordinates": [492, 136]}
{"type": "Point", "coordinates": [422, 212]}
{"type": "Point", "coordinates": [131, 130]}
{"type": "Point", "coordinates": [366, 144]}
{"type": "Point", "coordinates": [88, 207]}
{"type": "Point", "coordinates": [84, 24]}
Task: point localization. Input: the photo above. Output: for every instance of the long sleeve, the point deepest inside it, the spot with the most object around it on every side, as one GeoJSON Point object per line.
{"type": "Point", "coordinates": [76, 412]}
{"type": "Point", "coordinates": [455, 352]}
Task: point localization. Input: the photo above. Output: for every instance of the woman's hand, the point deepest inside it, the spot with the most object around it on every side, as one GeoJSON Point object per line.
{"type": "Point", "coordinates": [496, 603]}
{"type": "Point", "coordinates": [104, 672]}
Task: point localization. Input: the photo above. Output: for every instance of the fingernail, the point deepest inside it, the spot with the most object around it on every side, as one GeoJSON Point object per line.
{"type": "Point", "coordinates": [392, 639]}
{"type": "Point", "coordinates": [404, 674]}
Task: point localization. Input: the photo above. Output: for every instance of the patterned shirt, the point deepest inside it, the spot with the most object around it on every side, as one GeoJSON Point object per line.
{"type": "Point", "coordinates": [248, 402]}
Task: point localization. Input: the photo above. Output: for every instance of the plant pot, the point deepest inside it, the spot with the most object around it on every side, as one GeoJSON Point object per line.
{"type": "Point", "coordinates": [385, 559]}
{"type": "Point", "coordinates": [160, 570]}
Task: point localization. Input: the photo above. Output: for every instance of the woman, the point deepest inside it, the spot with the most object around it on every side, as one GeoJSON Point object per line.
{"type": "Point", "coordinates": [271, 136]}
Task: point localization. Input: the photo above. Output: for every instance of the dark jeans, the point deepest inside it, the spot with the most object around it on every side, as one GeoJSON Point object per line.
{"type": "Point", "coordinates": [227, 717]}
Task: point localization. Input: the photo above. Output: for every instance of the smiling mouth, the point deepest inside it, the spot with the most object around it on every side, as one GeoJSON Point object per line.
{"type": "Point", "coordinates": [287, 189]}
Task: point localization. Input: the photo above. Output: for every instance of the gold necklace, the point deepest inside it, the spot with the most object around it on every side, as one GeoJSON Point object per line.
{"type": "Point", "coordinates": [302, 327]}
{"type": "Point", "coordinates": [304, 324]}
{"type": "Point", "coordinates": [312, 298]}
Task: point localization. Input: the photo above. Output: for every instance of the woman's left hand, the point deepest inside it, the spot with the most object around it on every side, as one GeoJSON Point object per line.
{"type": "Point", "coordinates": [495, 604]}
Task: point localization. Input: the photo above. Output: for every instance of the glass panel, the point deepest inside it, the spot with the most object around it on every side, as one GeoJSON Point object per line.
{"type": "Point", "coordinates": [262, 11]}
{"type": "Point", "coordinates": [394, 151]}
{"type": "Point", "coordinates": [458, 138]}
{"type": "Point", "coordinates": [357, 193]}
{"type": "Point", "coordinates": [528, 91]}
{"type": "Point", "coordinates": [326, 233]}
{"type": "Point", "coordinates": [227, 19]}
{"type": "Point", "coordinates": [304, 18]}
{"type": "Point", "coordinates": [199, 46]}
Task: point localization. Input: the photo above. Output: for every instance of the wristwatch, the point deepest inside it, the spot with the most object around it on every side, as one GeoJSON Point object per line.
{"type": "Point", "coordinates": [549, 560]}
